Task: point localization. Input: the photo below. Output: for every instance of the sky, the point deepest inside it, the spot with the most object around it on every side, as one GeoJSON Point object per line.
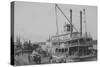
{"type": "Point", "coordinates": [37, 21]}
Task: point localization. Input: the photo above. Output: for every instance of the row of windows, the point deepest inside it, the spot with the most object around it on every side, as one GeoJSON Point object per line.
{"type": "Point", "coordinates": [73, 41]}
{"type": "Point", "coordinates": [61, 50]}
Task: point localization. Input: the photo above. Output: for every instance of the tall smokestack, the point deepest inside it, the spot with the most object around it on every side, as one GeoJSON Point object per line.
{"type": "Point", "coordinates": [80, 23]}
{"type": "Point", "coordinates": [71, 22]}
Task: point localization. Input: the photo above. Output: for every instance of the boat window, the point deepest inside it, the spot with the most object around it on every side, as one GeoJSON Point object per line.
{"type": "Point", "coordinates": [88, 39]}
{"type": "Point", "coordinates": [66, 49]}
{"type": "Point", "coordinates": [62, 50]}
{"type": "Point", "coordinates": [54, 43]}
{"type": "Point", "coordinates": [59, 50]}
{"type": "Point", "coordinates": [82, 40]}
{"type": "Point", "coordinates": [68, 42]}
{"type": "Point", "coordinates": [56, 49]}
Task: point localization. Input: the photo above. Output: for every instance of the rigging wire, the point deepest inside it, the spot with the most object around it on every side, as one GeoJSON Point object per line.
{"type": "Point", "coordinates": [65, 16]}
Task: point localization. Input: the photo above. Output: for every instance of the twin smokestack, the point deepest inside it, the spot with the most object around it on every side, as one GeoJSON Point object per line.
{"type": "Point", "coordinates": [80, 23]}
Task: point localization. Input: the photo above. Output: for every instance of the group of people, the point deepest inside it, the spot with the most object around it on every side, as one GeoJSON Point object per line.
{"type": "Point", "coordinates": [37, 59]}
